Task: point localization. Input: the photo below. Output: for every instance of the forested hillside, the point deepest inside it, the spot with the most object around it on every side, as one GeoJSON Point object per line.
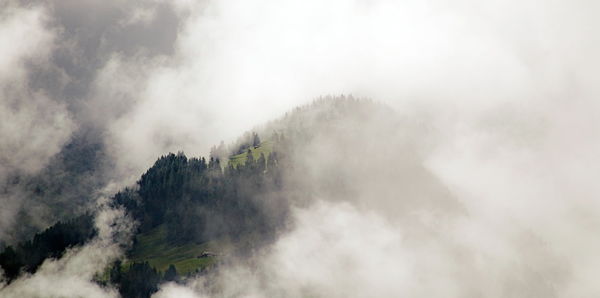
{"type": "Point", "coordinates": [193, 212]}
{"type": "Point", "coordinates": [51, 243]}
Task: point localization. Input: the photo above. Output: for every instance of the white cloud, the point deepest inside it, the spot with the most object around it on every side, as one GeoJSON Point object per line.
{"type": "Point", "coordinates": [72, 275]}
{"type": "Point", "coordinates": [33, 127]}
{"type": "Point", "coordinates": [238, 64]}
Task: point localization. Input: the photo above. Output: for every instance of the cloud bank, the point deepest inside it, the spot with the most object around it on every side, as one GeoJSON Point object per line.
{"type": "Point", "coordinates": [72, 275]}
{"type": "Point", "coordinates": [34, 127]}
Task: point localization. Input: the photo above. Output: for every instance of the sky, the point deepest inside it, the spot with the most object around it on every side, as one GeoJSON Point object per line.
{"type": "Point", "coordinates": [501, 97]}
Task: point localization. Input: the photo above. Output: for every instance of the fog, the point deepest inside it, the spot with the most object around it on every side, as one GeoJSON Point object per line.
{"type": "Point", "coordinates": [481, 183]}
{"type": "Point", "coordinates": [34, 127]}
{"type": "Point", "coordinates": [72, 274]}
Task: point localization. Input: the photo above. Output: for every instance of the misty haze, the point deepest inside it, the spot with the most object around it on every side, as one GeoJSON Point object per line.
{"type": "Point", "coordinates": [316, 148]}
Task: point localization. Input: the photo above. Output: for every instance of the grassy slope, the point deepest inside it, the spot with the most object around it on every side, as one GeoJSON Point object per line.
{"type": "Point", "coordinates": [154, 248]}
{"type": "Point", "coordinates": [265, 147]}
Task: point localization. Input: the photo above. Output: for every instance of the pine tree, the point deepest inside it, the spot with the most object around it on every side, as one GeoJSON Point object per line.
{"type": "Point", "coordinates": [249, 158]}
{"type": "Point", "coordinates": [255, 140]}
{"type": "Point", "coordinates": [171, 273]}
{"type": "Point", "coordinates": [261, 163]}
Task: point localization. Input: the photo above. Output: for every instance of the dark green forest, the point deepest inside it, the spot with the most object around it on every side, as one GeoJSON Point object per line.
{"type": "Point", "coordinates": [51, 243]}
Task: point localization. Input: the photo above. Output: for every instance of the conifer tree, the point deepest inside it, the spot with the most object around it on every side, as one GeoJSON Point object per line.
{"type": "Point", "coordinates": [171, 273]}
{"type": "Point", "coordinates": [255, 140]}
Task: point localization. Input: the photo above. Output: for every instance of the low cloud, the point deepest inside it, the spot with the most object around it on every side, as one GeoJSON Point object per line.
{"type": "Point", "coordinates": [73, 274]}
{"type": "Point", "coordinates": [34, 127]}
